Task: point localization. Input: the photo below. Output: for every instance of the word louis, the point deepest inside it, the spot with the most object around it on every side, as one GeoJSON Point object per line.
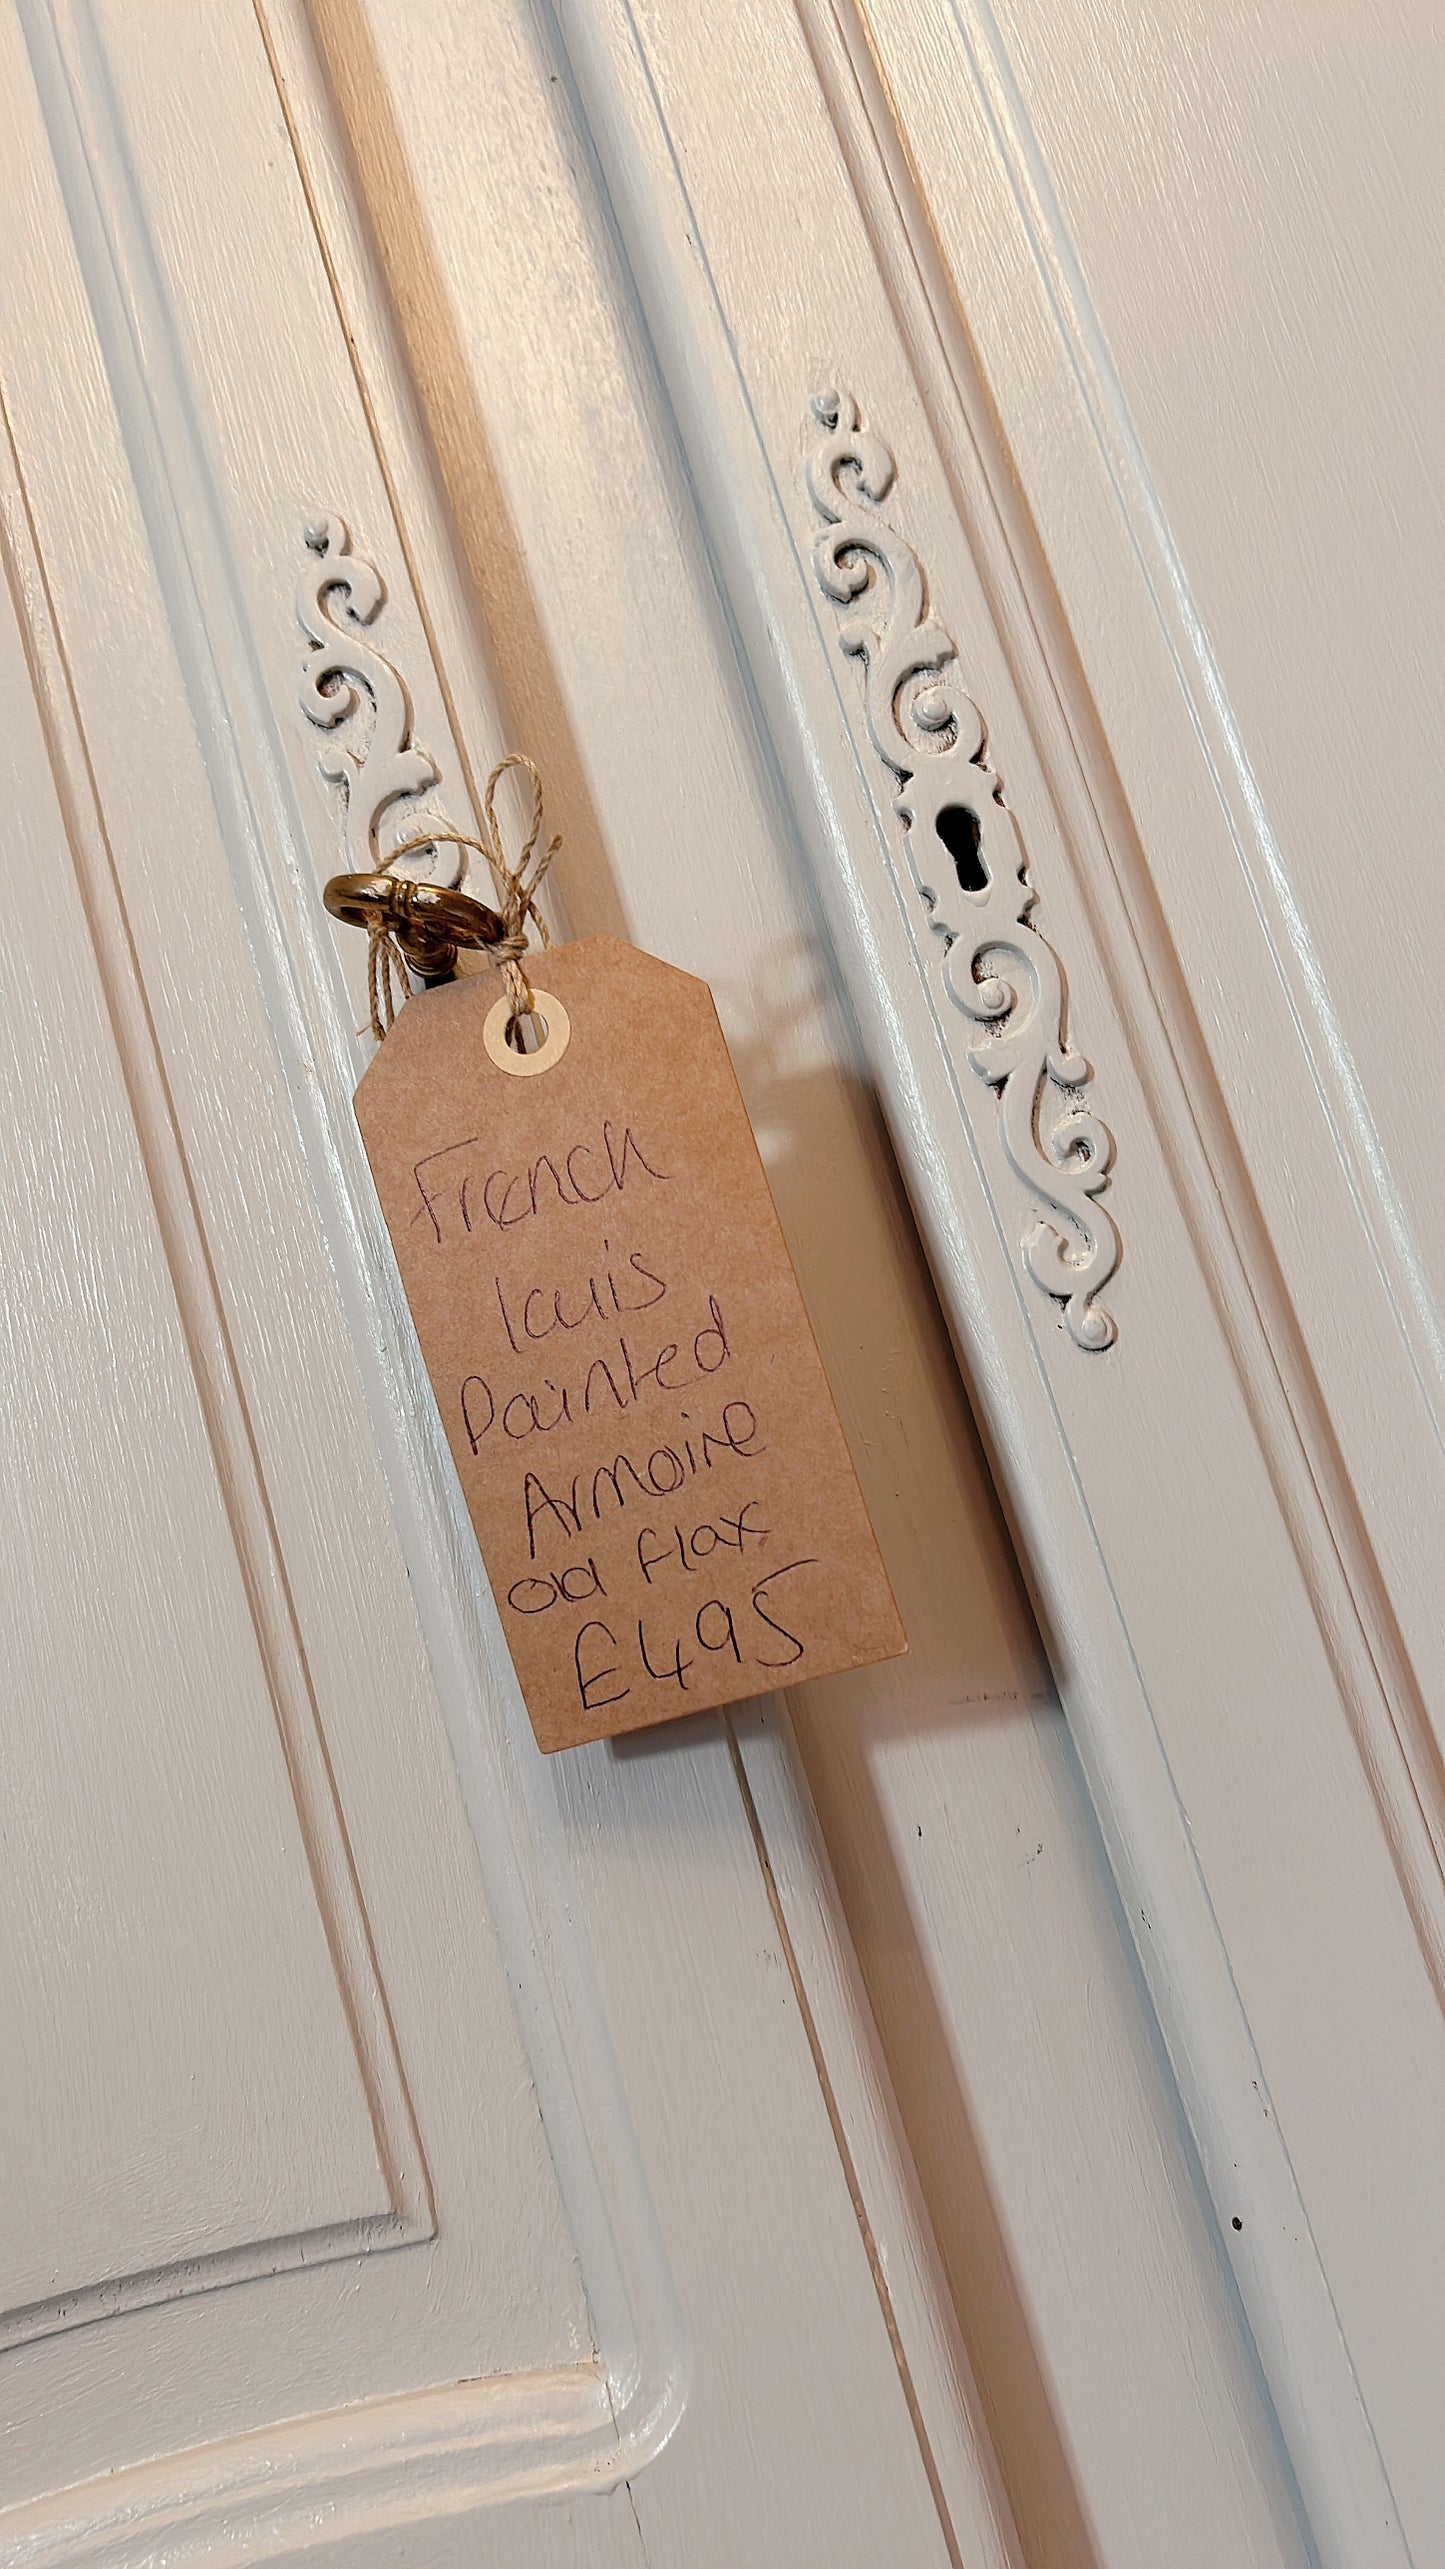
{"type": "Point", "coordinates": [627, 1373]}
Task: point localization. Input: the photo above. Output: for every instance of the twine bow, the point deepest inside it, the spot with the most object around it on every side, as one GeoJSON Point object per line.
{"type": "Point", "coordinates": [516, 885]}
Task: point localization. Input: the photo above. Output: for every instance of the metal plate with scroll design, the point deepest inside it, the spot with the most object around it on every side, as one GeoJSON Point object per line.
{"type": "Point", "coordinates": [968, 864]}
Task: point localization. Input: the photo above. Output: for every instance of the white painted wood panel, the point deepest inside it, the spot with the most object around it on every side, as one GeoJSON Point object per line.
{"type": "Point", "coordinates": [1278, 177]}
{"type": "Point", "coordinates": [778, 2161]}
{"type": "Point", "coordinates": [644, 2227]}
{"type": "Point", "coordinates": [1231, 1833]}
{"type": "Point", "coordinates": [137, 1913]}
{"type": "Point", "coordinates": [211, 2355]}
{"type": "Point", "coordinates": [1267, 978]}
{"type": "Point", "coordinates": [1001, 1980]}
{"type": "Point", "coordinates": [1239, 574]}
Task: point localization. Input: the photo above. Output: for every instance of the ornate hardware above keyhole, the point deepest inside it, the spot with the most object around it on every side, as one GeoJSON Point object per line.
{"type": "Point", "coordinates": [343, 676]}
{"type": "Point", "coordinates": [968, 863]}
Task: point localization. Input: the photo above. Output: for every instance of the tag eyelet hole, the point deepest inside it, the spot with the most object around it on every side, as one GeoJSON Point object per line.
{"type": "Point", "coordinates": [500, 1035]}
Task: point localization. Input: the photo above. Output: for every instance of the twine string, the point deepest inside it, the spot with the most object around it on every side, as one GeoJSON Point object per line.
{"type": "Point", "coordinates": [385, 974]}
{"type": "Point", "coordinates": [516, 887]}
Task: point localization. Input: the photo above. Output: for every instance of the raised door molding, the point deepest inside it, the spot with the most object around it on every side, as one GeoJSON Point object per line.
{"type": "Point", "coordinates": [1179, 1538]}
{"type": "Point", "coordinates": [237, 376]}
{"type": "Point", "coordinates": [295, 2142]}
{"type": "Point", "coordinates": [416, 2298]}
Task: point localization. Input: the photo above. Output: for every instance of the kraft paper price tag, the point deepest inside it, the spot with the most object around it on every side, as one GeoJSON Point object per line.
{"type": "Point", "coordinates": [619, 1349]}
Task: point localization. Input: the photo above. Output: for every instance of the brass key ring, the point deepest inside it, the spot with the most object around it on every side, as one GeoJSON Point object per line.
{"type": "Point", "coordinates": [429, 923]}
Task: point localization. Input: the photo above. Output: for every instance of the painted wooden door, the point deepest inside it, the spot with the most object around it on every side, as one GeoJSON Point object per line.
{"type": "Point", "coordinates": [1087, 551]}
{"type": "Point", "coordinates": [897, 2126]}
{"type": "Point", "coordinates": [365, 2078]}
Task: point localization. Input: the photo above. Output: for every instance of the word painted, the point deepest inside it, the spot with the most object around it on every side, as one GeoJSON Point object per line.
{"type": "Point", "coordinates": [620, 1379]}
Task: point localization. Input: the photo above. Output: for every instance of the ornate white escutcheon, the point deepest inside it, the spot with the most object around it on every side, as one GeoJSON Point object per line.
{"type": "Point", "coordinates": [967, 860]}
{"type": "Point", "coordinates": [345, 679]}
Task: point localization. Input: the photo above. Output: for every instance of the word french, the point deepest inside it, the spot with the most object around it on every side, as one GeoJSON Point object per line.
{"type": "Point", "coordinates": [586, 1172]}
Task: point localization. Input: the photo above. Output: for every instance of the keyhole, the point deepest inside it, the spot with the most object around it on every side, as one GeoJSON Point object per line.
{"type": "Point", "coordinates": [959, 830]}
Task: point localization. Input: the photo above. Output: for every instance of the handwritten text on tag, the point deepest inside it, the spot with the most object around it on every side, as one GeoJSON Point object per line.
{"type": "Point", "coordinates": [624, 1367]}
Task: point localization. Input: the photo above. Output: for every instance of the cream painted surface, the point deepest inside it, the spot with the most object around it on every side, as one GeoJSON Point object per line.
{"type": "Point", "coordinates": [1246, 577]}
{"type": "Point", "coordinates": [897, 2126]}
{"type": "Point", "coordinates": [137, 1912]}
{"type": "Point", "coordinates": [1271, 177]}
{"type": "Point", "coordinates": [1003, 1987]}
{"type": "Point", "coordinates": [640, 2212]}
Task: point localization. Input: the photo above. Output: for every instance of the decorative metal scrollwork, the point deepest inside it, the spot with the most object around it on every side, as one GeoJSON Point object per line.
{"type": "Point", "coordinates": [967, 860]}
{"type": "Point", "coordinates": [344, 673]}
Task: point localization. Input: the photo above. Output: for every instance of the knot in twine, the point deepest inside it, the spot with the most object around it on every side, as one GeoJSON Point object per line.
{"type": "Point", "coordinates": [516, 888]}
